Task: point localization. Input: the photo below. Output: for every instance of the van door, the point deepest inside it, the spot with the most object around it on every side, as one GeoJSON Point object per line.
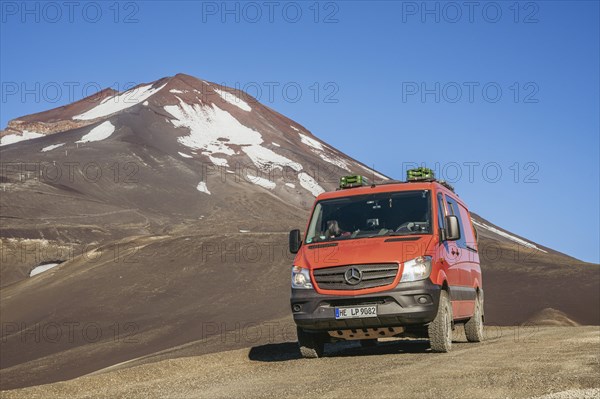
{"type": "Point", "coordinates": [463, 292]}
{"type": "Point", "coordinates": [447, 251]}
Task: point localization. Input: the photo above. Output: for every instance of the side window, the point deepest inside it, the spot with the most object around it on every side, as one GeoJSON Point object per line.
{"type": "Point", "coordinates": [441, 210]}
{"type": "Point", "coordinates": [454, 210]}
{"type": "Point", "coordinates": [470, 233]}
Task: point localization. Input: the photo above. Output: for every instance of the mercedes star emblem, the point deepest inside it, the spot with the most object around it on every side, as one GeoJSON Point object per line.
{"type": "Point", "coordinates": [353, 276]}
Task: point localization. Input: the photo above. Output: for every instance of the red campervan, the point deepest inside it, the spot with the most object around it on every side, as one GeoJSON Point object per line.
{"type": "Point", "coordinates": [396, 259]}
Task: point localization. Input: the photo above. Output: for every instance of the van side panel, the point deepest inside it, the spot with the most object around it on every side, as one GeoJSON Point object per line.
{"type": "Point", "coordinates": [470, 257]}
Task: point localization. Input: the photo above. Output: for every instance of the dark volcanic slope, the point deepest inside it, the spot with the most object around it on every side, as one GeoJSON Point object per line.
{"type": "Point", "coordinates": [522, 278]}
{"type": "Point", "coordinates": [168, 206]}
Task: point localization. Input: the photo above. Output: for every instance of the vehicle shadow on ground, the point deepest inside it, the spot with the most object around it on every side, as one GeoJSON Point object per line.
{"type": "Point", "coordinates": [286, 351]}
{"type": "Point", "coordinates": [275, 352]}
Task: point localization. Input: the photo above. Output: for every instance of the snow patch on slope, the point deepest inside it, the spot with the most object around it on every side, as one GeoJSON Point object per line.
{"type": "Point", "coordinates": [213, 131]}
{"type": "Point", "coordinates": [15, 138]}
{"type": "Point", "coordinates": [209, 125]}
{"type": "Point", "coordinates": [100, 132]}
{"type": "Point", "coordinates": [42, 268]}
{"type": "Point", "coordinates": [259, 181]}
{"type": "Point", "coordinates": [218, 161]}
{"type": "Point", "coordinates": [506, 235]}
{"type": "Point", "coordinates": [334, 160]}
{"type": "Point", "coordinates": [320, 150]}
{"type": "Point", "coordinates": [327, 155]}
{"type": "Point", "coordinates": [52, 147]}
{"type": "Point", "coordinates": [309, 141]}
{"type": "Point", "coordinates": [184, 155]}
{"type": "Point", "coordinates": [117, 103]}
{"type": "Point", "coordinates": [202, 188]}
{"type": "Point", "coordinates": [233, 99]}
{"type": "Point", "coordinates": [267, 159]}
{"type": "Point", "coordinates": [310, 184]}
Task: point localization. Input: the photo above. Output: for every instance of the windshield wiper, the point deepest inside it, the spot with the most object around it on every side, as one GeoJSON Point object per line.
{"type": "Point", "coordinates": [371, 236]}
{"type": "Point", "coordinates": [408, 233]}
{"type": "Point", "coordinates": [378, 234]}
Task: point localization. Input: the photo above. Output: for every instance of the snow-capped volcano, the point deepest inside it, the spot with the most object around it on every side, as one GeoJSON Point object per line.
{"type": "Point", "coordinates": [201, 122]}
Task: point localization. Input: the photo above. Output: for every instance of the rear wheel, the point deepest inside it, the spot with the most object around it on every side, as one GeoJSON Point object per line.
{"type": "Point", "coordinates": [440, 329]}
{"type": "Point", "coordinates": [311, 344]}
{"type": "Point", "coordinates": [474, 327]}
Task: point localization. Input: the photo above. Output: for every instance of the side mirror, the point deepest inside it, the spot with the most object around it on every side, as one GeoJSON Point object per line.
{"type": "Point", "coordinates": [295, 241]}
{"type": "Point", "coordinates": [452, 228]}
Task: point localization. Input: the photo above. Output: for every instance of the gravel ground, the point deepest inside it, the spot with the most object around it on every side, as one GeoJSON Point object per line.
{"type": "Point", "coordinates": [593, 393]}
{"type": "Point", "coordinates": [547, 362]}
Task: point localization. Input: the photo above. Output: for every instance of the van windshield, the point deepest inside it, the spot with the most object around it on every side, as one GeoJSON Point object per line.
{"type": "Point", "coordinates": [374, 215]}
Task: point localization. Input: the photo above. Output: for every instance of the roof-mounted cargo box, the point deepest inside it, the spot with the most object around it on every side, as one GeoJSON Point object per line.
{"type": "Point", "coordinates": [353, 181]}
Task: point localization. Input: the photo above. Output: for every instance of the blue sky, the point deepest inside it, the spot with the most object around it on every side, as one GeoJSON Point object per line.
{"type": "Point", "coordinates": [497, 88]}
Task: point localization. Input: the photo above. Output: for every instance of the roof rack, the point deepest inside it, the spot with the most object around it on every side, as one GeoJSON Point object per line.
{"type": "Point", "coordinates": [446, 184]}
{"type": "Point", "coordinates": [442, 182]}
{"type": "Point", "coordinates": [423, 174]}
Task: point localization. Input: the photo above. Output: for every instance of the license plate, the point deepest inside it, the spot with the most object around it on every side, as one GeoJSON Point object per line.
{"type": "Point", "coordinates": [356, 312]}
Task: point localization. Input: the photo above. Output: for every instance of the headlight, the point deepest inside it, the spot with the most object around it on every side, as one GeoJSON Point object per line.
{"type": "Point", "coordinates": [301, 278]}
{"type": "Point", "coordinates": [416, 269]}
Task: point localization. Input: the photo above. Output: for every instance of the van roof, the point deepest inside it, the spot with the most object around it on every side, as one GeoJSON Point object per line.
{"type": "Point", "coordinates": [385, 187]}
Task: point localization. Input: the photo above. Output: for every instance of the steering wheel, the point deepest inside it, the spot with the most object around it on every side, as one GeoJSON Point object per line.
{"type": "Point", "coordinates": [408, 226]}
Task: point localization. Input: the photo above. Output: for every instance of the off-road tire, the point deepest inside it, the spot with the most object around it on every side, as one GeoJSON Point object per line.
{"type": "Point", "coordinates": [311, 345]}
{"type": "Point", "coordinates": [474, 327]}
{"type": "Point", "coordinates": [368, 343]}
{"type": "Point", "coordinates": [440, 329]}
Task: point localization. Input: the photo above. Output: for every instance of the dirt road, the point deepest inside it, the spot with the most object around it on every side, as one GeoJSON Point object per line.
{"type": "Point", "coordinates": [512, 363]}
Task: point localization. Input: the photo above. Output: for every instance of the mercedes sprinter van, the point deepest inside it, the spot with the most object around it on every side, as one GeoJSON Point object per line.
{"type": "Point", "coordinates": [393, 259]}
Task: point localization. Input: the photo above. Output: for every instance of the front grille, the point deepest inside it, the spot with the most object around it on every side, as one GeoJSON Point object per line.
{"type": "Point", "coordinates": [376, 275]}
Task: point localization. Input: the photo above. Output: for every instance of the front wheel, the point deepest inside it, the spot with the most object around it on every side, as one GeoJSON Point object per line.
{"type": "Point", "coordinates": [474, 327]}
{"type": "Point", "coordinates": [440, 329]}
{"type": "Point", "coordinates": [311, 345]}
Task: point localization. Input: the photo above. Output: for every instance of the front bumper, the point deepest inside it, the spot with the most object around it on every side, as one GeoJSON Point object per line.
{"type": "Point", "coordinates": [396, 307]}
